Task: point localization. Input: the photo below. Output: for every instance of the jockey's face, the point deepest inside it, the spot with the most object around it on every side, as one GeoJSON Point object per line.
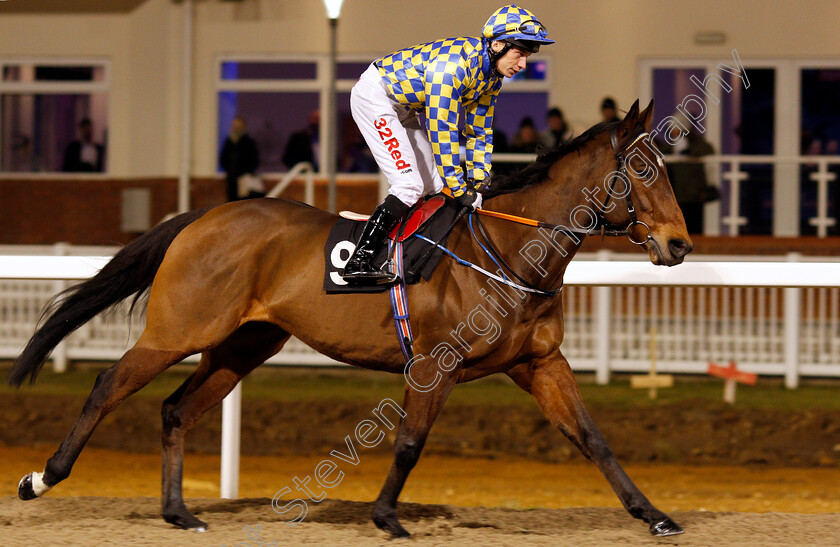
{"type": "Point", "coordinates": [511, 62]}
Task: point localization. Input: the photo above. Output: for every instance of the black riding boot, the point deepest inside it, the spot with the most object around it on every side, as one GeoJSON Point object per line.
{"type": "Point", "coordinates": [359, 268]}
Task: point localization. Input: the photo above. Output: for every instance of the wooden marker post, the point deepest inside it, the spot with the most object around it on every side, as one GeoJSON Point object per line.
{"type": "Point", "coordinates": [732, 377]}
{"type": "Point", "coordinates": [652, 381]}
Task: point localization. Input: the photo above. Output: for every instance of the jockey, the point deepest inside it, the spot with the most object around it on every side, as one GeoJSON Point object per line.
{"type": "Point", "coordinates": [435, 79]}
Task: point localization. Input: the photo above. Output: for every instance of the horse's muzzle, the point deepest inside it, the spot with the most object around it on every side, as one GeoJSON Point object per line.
{"type": "Point", "coordinates": [670, 255]}
{"type": "Point", "coordinates": [679, 248]}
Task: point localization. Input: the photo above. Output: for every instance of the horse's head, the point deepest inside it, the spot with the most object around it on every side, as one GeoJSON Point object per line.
{"type": "Point", "coordinates": [639, 194]}
{"type": "Point", "coordinates": [611, 177]}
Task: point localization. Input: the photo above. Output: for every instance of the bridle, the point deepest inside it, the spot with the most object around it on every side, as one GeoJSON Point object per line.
{"type": "Point", "coordinates": [602, 226]}
{"type": "Point", "coordinates": [622, 173]}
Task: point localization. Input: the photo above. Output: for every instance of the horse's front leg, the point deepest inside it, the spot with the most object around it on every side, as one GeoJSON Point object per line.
{"type": "Point", "coordinates": [553, 385]}
{"type": "Point", "coordinates": [421, 409]}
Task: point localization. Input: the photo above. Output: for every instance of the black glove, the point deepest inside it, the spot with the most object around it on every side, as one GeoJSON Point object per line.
{"type": "Point", "coordinates": [470, 199]}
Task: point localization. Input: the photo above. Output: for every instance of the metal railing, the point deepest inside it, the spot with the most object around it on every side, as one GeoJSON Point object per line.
{"type": "Point", "coordinates": [732, 168]}
{"type": "Point", "coordinates": [303, 168]}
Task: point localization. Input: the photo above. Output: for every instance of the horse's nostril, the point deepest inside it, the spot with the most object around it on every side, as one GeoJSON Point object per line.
{"type": "Point", "coordinates": [678, 247]}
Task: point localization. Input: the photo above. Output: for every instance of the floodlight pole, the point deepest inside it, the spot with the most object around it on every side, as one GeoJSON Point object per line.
{"type": "Point", "coordinates": [186, 111]}
{"type": "Point", "coordinates": [332, 123]}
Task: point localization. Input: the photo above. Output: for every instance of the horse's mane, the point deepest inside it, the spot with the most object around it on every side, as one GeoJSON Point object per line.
{"type": "Point", "coordinates": [537, 171]}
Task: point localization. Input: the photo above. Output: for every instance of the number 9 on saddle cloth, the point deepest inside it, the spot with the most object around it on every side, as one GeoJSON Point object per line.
{"type": "Point", "coordinates": [432, 217]}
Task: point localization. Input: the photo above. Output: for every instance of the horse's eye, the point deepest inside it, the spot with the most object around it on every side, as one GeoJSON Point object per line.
{"type": "Point", "coordinates": [637, 165]}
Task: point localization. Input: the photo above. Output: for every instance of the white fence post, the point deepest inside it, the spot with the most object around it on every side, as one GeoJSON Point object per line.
{"type": "Point", "coordinates": [383, 186]}
{"type": "Point", "coordinates": [309, 188]}
{"type": "Point", "coordinates": [793, 314]}
{"type": "Point", "coordinates": [59, 354]}
{"type": "Point", "coordinates": [603, 333]}
{"type": "Point", "coordinates": [231, 422]}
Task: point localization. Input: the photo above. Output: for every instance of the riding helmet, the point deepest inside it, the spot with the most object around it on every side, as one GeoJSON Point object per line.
{"type": "Point", "coordinates": [516, 27]}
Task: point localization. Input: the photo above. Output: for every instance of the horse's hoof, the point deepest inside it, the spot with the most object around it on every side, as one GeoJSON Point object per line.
{"type": "Point", "coordinates": [390, 524]}
{"type": "Point", "coordinates": [186, 521]}
{"type": "Point", "coordinates": [666, 527]}
{"type": "Point", "coordinates": [25, 490]}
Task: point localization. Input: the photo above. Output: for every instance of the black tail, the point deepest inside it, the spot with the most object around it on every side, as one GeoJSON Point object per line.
{"type": "Point", "coordinates": [132, 270]}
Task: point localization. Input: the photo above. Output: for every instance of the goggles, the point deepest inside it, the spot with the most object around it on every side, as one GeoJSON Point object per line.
{"type": "Point", "coordinates": [531, 27]}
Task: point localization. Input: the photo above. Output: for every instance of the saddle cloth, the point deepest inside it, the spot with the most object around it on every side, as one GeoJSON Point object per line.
{"type": "Point", "coordinates": [431, 217]}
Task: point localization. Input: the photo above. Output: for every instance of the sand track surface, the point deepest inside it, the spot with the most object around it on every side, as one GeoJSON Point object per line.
{"type": "Point", "coordinates": [135, 521]}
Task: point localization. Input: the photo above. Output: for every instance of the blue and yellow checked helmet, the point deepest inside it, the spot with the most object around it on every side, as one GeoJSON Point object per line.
{"type": "Point", "coordinates": [517, 27]}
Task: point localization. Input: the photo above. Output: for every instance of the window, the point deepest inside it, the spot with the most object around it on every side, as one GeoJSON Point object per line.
{"type": "Point", "coordinates": [273, 119]}
{"type": "Point", "coordinates": [523, 97]}
{"type": "Point", "coordinates": [736, 122]}
{"type": "Point", "coordinates": [535, 71]}
{"type": "Point", "coordinates": [748, 129]}
{"type": "Point", "coordinates": [819, 136]}
{"type": "Point", "coordinates": [280, 99]}
{"type": "Point", "coordinates": [788, 111]}
{"type": "Point", "coordinates": [53, 116]}
{"type": "Point", "coordinates": [268, 70]}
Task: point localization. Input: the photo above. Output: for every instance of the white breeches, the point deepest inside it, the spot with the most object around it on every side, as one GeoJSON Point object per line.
{"type": "Point", "coordinates": [396, 138]}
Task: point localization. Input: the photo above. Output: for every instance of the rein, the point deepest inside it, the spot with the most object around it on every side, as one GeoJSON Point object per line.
{"type": "Point", "coordinates": [602, 228]}
{"type": "Point", "coordinates": [548, 226]}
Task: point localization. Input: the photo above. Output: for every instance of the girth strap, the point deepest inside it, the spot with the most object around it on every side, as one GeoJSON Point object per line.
{"type": "Point", "coordinates": [399, 303]}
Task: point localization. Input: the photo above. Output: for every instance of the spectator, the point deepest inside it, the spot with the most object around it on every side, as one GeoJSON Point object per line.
{"type": "Point", "coordinates": [557, 131]}
{"type": "Point", "coordinates": [500, 141]}
{"type": "Point", "coordinates": [304, 145]}
{"type": "Point", "coordinates": [239, 158]}
{"type": "Point", "coordinates": [806, 143]}
{"type": "Point", "coordinates": [355, 156]}
{"type": "Point", "coordinates": [609, 110]}
{"type": "Point", "coordinates": [500, 146]}
{"type": "Point", "coordinates": [526, 139]}
{"type": "Point", "coordinates": [84, 155]}
{"type": "Point", "coordinates": [689, 181]}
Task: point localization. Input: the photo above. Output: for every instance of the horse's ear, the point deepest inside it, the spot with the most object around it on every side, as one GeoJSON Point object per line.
{"type": "Point", "coordinates": [646, 116]}
{"type": "Point", "coordinates": [633, 113]}
{"type": "Point", "coordinates": [629, 122]}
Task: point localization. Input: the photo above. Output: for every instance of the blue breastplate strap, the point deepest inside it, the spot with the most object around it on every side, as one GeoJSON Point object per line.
{"type": "Point", "coordinates": [500, 278]}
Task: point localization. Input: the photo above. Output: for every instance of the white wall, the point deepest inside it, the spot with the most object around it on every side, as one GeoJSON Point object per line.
{"type": "Point", "coordinates": [599, 45]}
{"type": "Point", "coordinates": [155, 46]}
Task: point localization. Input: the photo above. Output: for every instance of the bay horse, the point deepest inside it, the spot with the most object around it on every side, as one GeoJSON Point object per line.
{"type": "Point", "coordinates": [236, 281]}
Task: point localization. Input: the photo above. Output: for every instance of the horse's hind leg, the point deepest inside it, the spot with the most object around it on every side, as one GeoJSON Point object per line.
{"type": "Point", "coordinates": [217, 374]}
{"type": "Point", "coordinates": [421, 410]}
{"type": "Point", "coordinates": [553, 385]}
{"type": "Point", "coordinates": [134, 370]}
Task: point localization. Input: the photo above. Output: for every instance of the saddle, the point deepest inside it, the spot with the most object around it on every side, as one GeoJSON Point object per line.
{"type": "Point", "coordinates": [431, 217]}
